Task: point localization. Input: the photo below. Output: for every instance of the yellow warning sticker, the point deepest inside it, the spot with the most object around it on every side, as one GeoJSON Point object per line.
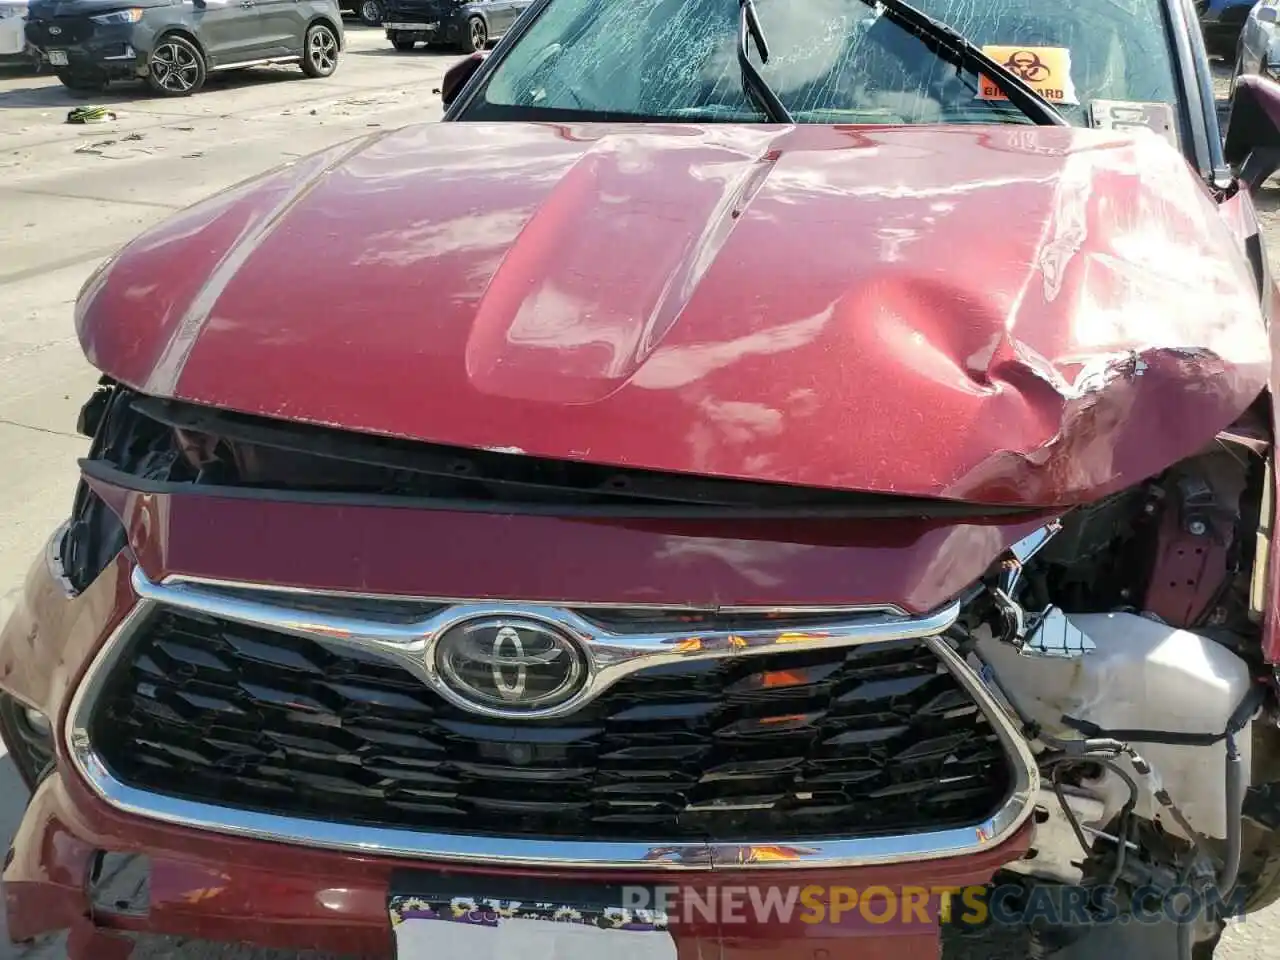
{"type": "Point", "coordinates": [1046, 70]}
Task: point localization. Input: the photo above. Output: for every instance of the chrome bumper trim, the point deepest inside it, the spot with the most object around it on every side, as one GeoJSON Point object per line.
{"type": "Point", "coordinates": [764, 853]}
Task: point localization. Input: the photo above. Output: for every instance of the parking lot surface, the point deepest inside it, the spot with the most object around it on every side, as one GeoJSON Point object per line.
{"type": "Point", "coordinates": [71, 195]}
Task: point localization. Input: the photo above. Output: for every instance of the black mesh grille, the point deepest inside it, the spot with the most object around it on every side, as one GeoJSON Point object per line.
{"type": "Point", "coordinates": [781, 746]}
{"type": "Point", "coordinates": [70, 30]}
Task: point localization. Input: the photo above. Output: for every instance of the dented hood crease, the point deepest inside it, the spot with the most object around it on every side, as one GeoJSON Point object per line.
{"type": "Point", "coordinates": [1007, 315]}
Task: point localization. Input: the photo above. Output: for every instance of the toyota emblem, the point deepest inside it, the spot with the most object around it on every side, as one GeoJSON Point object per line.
{"type": "Point", "coordinates": [55, 30]}
{"type": "Point", "coordinates": [509, 665]}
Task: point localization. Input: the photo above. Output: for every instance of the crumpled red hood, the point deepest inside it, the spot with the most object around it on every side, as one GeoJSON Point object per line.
{"type": "Point", "coordinates": [998, 314]}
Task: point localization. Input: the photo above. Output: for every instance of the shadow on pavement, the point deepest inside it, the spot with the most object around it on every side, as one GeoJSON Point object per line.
{"type": "Point", "coordinates": [47, 93]}
{"type": "Point", "coordinates": [418, 52]}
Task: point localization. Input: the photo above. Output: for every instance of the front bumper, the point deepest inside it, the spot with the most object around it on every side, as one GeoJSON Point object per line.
{"type": "Point", "coordinates": [209, 885]}
{"type": "Point", "coordinates": [212, 887]}
{"type": "Point", "coordinates": [424, 26]}
{"type": "Point", "coordinates": [118, 50]}
{"type": "Point", "coordinates": [419, 29]}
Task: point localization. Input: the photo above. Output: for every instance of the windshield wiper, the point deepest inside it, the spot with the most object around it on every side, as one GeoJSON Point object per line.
{"type": "Point", "coordinates": [962, 51]}
{"type": "Point", "coordinates": [756, 87]}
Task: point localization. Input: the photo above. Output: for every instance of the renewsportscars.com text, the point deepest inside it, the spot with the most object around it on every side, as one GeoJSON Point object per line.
{"type": "Point", "coordinates": [1012, 905]}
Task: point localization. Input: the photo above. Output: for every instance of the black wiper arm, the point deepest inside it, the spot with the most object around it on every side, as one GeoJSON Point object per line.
{"type": "Point", "coordinates": [962, 51]}
{"type": "Point", "coordinates": [756, 87]}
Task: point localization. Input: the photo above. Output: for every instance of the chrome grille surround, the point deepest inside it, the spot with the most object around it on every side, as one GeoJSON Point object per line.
{"type": "Point", "coordinates": [614, 655]}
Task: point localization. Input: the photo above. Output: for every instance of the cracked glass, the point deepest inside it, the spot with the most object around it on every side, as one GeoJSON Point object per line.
{"type": "Point", "coordinates": [832, 61]}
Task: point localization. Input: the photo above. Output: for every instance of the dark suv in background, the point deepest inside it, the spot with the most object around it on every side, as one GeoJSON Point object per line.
{"type": "Point", "coordinates": [1222, 21]}
{"type": "Point", "coordinates": [469, 25]}
{"type": "Point", "coordinates": [174, 46]}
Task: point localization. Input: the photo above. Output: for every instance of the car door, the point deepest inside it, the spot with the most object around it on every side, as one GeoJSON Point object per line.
{"type": "Point", "coordinates": [228, 30]}
{"type": "Point", "coordinates": [1251, 40]}
{"type": "Point", "coordinates": [497, 14]}
{"type": "Point", "coordinates": [1267, 15]}
{"type": "Point", "coordinates": [13, 16]}
{"type": "Point", "coordinates": [283, 24]}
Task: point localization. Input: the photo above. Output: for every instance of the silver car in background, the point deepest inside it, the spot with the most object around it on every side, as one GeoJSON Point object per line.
{"type": "Point", "coordinates": [1258, 50]}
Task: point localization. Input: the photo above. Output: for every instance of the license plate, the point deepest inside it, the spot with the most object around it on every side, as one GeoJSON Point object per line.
{"type": "Point", "coordinates": [431, 928]}
{"type": "Point", "coordinates": [58, 58]}
{"type": "Point", "coordinates": [411, 27]}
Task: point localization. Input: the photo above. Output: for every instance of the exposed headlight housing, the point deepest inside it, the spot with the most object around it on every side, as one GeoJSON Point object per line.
{"type": "Point", "coordinates": [132, 15]}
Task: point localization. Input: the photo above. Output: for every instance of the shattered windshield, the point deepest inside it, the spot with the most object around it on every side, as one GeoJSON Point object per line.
{"type": "Point", "coordinates": [832, 61]}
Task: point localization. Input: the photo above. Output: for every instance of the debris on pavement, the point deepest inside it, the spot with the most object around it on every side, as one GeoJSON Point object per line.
{"type": "Point", "coordinates": [102, 148]}
{"type": "Point", "coordinates": [95, 148]}
{"type": "Point", "coordinates": [90, 115]}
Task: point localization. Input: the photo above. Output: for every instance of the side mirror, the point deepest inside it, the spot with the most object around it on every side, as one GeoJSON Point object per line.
{"type": "Point", "coordinates": [1252, 146]}
{"type": "Point", "coordinates": [456, 77]}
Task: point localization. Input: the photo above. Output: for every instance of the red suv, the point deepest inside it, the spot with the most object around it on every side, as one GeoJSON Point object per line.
{"type": "Point", "coordinates": [748, 473]}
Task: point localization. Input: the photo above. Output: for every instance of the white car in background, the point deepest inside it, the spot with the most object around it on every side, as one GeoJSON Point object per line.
{"type": "Point", "coordinates": [13, 44]}
{"type": "Point", "coordinates": [1259, 47]}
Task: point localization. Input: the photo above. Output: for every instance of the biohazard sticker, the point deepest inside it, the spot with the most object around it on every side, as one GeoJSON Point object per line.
{"type": "Point", "coordinates": [1046, 70]}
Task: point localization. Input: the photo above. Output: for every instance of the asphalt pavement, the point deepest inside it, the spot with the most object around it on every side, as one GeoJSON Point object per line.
{"type": "Point", "coordinates": [70, 195]}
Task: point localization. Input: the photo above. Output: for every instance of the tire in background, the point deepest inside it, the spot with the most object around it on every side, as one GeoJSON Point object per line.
{"type": "Point", "coordinates": [476, 36]}
{"type": "Point", "coordinates": [177, 67]}
{"type": "Point", "coordinates": [320, 51]}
